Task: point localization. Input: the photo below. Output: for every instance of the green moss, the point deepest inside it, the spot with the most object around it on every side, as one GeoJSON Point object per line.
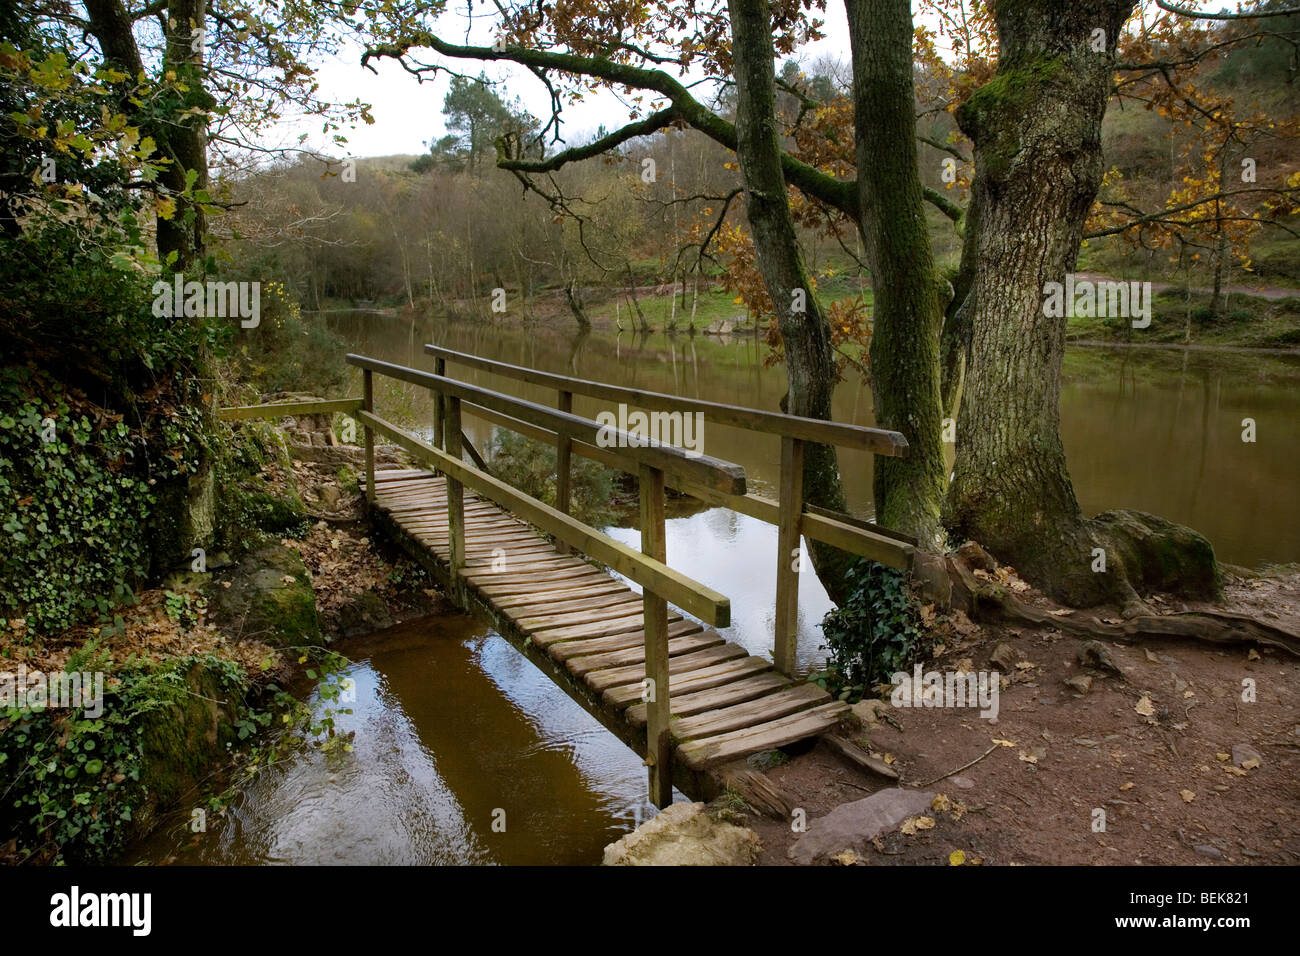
{"type": "Point", "coordinates": [992, 113]}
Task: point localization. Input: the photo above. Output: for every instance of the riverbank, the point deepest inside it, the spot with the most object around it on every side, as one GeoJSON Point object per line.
{"type": "Point", "coordinates": [201, 676]}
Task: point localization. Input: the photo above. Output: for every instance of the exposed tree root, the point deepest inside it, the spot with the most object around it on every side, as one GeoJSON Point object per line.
{"type": "Point", "coordinates": [984, 598]}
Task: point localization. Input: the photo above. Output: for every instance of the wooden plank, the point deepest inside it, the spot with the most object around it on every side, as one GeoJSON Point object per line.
{"type": "Point", "coordinates": [705, 603]}
{"type": "Point", "coordinates": [789, 556]}
{"type": "Point", "coordinates": [546, 622]}
{"type": "Point", "coordinates": [584, 664]}
{"type": "Point", "coordinates": [707, 751]}
{"type": "Point", "coordinates": [240, 413]}
{"type": "Point", "coordinates": [368, 403]}
{"type": "Point", "coordinates": [758, 711]}
{"type": "Point", "coordinates": [711, 472]}
{"type": "Point", "coordinates": [563, 599]}
{"type": "Point", "coordinates": [618, 625]}
{"type": "Point", "coordinates": [736, 692]}
{"type": "Point", "coordinates": [599, 645]}
{"type": "Point", "coordinates": [701, 679]}
{"type": "Point", "coordinates": [618, 676]}
{"type": "Point", "coordinates": [877, 440]}
{"type": "Point", "coordinates": [655, 663]}
{"type": "Point", "coordinates": [563, 471]}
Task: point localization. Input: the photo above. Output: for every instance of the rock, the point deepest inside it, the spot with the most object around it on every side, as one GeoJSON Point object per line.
{"type": "Point", "coordinates": [330, 495]}
{"type": "Point", "coordinates": [1004, 658]}
{"type": "Point", "coordinates": [1095, 654]}
{"type": "Point", "coordinates": [1242, 754]}
{"type": "Point", "coordinates": [852, 826]}
{"type": "Point", "coordinates": [868, 711]}
{"type": "Point", "coordinates": [685, 835]}
{"type": "Point", "coordinates": [1080, 685]}
{"type": "Point", "coordinates": [963, 783]}
{"type": "Point", "coordinates": [364, 614]}
{"type": "Point", "coordinates": [1213, 852]}
{"type": "Point", "coordinates": [270, 599]}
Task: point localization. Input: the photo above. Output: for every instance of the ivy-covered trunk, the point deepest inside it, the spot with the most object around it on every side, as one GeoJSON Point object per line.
{"type": "Point", "coordinates": [909, 295]}
{"type": "Point", "coordinates": [805, 335]}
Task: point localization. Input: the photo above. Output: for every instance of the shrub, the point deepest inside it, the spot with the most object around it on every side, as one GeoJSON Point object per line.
{"type": "Point", "coordinates": [530, 466]}
{"type": "Point", "coordinates": [873, 635]}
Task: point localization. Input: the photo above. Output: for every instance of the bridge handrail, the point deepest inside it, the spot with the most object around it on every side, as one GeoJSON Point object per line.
{"type": "Point", "coordinates": [878, 440]}
{"type": "Point", "coordinates": [723, 476]}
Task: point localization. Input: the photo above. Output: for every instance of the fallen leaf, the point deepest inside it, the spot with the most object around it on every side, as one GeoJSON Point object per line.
{"type": "Point", "coordinates": [1235, 771]}
{"type": "Point", "coordinates": [1253, 655]}
{"type": "Point", "coordinates": [1222, 756]}
{"type": "Point", "coordinates": [1151, 657]}
{"type": "Point", "coordinates": [1004, 743]}
{"type": "Point", "coordinates": [1187, 795]}
{"type": "Point", "coordinates": [1127, 786]}
{"type": "Point", "coordinates": [1145, 707]}
{"type": "Point", "coordinates": [956, 858]}
{"type": "Point", "coordinates": [846, 858]}
{"type": "Point", "coordinates": [1028, 758]}
{"type": "Point", "coordinates": [1060, 612]}
{"type": "Point", "coordinates": [941, 803]}
{"type": "Point", "coordinates": [1250, 764]}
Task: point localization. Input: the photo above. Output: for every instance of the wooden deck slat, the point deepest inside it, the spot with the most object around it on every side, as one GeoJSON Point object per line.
{"type": "Point", "coordinates": [598, 645]}
{"type": "Point", "coordinates": [753, 712]}
{"type": "Point", "coordinates": [700, 754]}
{"type": "Point", "coordinates": [736, 692]}
{"type": "Point", "coordinates": [702, 679]}
{"type": "Point", "coordinates": [635, 673]}
{"type": "Point", "coordinates": [635, 654]}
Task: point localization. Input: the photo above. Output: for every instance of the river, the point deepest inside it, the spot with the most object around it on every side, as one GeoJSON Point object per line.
{"type": "Point", "coordinates": [465, 753]}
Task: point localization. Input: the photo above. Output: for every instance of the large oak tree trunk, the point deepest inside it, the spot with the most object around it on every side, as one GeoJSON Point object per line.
{"type": "Point", "coordinates": [1036, 127]}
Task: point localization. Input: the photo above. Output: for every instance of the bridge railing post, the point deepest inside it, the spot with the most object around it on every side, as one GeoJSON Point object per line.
{"type": "Point", "coordinates": [439, 408]}
{"type": "Point", "coordinates": [455, 492]}
{"type": "Point", "coordinates": [368, 403]}
{"type": "Point", "coordinates": [655, 613]}
{"type": "Point", "coordinates": [790, 556]}
{"type": "Point", "coordinates": [563, 461]}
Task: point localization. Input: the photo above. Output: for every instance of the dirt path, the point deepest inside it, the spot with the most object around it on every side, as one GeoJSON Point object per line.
{"type": "Point", "coordinates": [1177, 785]}
{"type": "Point", "coordinates": [1271, 292]}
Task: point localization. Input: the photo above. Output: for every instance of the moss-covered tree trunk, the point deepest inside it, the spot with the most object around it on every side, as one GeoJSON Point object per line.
{"type": "Point", "coordinates": [183, 516]}
{"type": "Point", "coordinates": [909, 295]}
{"type": "Point", "coordinates": [809, 359]}
{"type": "Point", "coordinates": [1036, 127]}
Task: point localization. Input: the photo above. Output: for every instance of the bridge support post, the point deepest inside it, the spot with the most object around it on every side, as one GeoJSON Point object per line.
{"type": "Point", "coordinates": [790, 556]}
{"type": "Point", "coordinates": [455, 496]}
{"type": "Point", "coordinates": [563, 459]}
{"type": "Point", "coordinates": [654, 545]}
{"type": "Point", "coordinates": [368, 403]}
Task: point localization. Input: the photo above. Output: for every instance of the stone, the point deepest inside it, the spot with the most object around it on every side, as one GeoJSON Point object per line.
{"type": "Point", "coordinates": [868, 711]}
{"type": "Point", "coordinates": [1004, 658]}
{"type": "Point", "coordinates": [270, 599]}
{"type": "Point", "coordinates": [1213, 852]}
{"type": "Point", "coordinates": [963, 783]}
{"type": "Point", "coordinates": [685, 835]}
{"type": "Point", "coordinates": [1080, 685]}
{"type": "Point", "coordinates": [364, 614]}
{"type": "Point", "coordinates": [1095, 654]}
{"type": "Point", "coordinates": [852, 826]}
{"type": "Point", "coordinates": [1244, 753]}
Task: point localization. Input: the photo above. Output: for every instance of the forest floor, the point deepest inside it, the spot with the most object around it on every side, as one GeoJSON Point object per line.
{"type": "Point", "coordinates": [1184, 770]}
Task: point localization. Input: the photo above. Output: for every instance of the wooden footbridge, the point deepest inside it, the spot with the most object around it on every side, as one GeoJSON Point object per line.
{"type": "Point", "coordinates": [647, 665]}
